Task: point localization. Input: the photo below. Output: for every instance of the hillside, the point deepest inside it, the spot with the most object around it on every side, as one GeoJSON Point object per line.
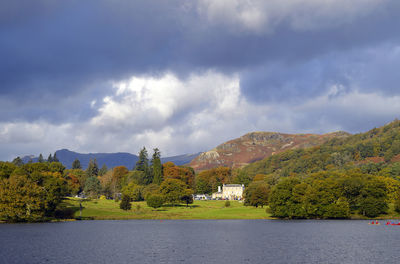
{"type": "Point", "coordinates": [372, 151]}
{"type": "Point", "coordinates": [66, 157]}
{"type": "Point", "coordinates": [256, 146]}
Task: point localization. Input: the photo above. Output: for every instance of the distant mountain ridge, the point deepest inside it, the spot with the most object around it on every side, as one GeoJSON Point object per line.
{"type": "Point", "coordinates": [255, 146]}
{"type": "Point", "coordinates": [111, 160]}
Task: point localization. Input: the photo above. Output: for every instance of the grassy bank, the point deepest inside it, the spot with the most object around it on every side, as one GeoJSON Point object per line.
{"type": "Point", "coordinates": [109, 209]}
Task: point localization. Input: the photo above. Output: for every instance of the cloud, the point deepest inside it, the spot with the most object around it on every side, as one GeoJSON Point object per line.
{"type": "Point", "coordinates": [187, 75]}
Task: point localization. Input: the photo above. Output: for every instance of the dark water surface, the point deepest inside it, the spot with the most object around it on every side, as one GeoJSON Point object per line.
{"type": "Point", "coordinates": [200, 241]}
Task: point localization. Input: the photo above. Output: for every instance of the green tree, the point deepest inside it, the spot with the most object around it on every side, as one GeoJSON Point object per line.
{"type": "Point", "coordinates": [187, 197]}
{"type": "Point", "coordinates": [103, 170]}
{"type": "Point", "coordinates": [18, 161]}
{"type": "Point", "coordinates": [134, 191]}
{"type": "Point", "coordinates": [156, 167]}
{"type": "Point", "coordinates": [125, 203]}
{"type": "Point", "coordinates": [55, 159]}
{"type": "Point", "coordinates": [172, 190]}
{"type": "Point", "coordinates": [50, 158]}
{"type": "Point", "coordinates": [143, 165]}
{"type": "Point", "coordinates": [76, 164]}
{"type": "Point", "coordinates": [92, 187]}
{"type": "Point", "coordinates": [40, 159]}
{"type": "Point", "coordinates": [154, 200]}
{"type": "Point", "coordinates": [92, 169]}
{"type": "Point", "coordinates": [257, 194]}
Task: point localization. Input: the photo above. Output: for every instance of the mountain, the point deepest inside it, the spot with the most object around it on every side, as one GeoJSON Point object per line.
{"type": "Point", "coordinates": [375, 151]}
{"type": "Point", "coordinates": [256, 146]}
{"type": "Point", "coordinates": [66, 157]}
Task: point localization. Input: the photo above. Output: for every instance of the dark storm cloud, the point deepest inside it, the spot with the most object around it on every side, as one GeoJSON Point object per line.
{"type": "Point", "coordinates": [60, 55]}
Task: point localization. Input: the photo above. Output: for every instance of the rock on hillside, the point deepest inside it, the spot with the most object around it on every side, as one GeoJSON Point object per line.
{"type": "Point", "coordinates": [256, 146]}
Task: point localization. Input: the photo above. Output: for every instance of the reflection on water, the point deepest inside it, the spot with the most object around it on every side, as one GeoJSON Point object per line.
{"type": "Point", "coordinates": [200, 241]}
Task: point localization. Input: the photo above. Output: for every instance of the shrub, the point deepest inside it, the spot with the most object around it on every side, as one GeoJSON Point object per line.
{"type": "Point", "coordinates": [154, 200]}
{"type": "Point", "coordinates": [227, 203]}
{"type": "Point", "coordinates": [125, 203]}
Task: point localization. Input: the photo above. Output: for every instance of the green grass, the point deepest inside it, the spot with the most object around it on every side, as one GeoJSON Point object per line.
{"type": "Point", "coordinates": [109, 209]}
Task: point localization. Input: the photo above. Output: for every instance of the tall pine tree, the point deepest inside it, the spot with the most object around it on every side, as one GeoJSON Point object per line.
{"type": "Point", "coordinates": [143, 165]}
{"type": "Point", "coordinates": [50, 158]}
{"type": "Point", "coordinates": [40, 159]}
{"type": "Point", "coordinates": [55, 159]}
{"type": "Point", "coordinates": [156, 167]}
{"type": "Point", "coordinates": [92, 169]}
{"type": "Point", "coordinates": [76, 164]}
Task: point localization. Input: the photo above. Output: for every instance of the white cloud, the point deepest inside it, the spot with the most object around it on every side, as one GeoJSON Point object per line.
{"type": "Point", "coordinates": [194, 114]}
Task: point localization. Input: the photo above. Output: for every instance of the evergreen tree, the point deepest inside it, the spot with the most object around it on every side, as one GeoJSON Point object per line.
{"type": "Point", "coordinates": [93, 169]}
{"type": "Point", "coordinates": [40, 159]}
{"type": "Point", "coordinates": [50, 158]}
{"type": "Point", "coordinates": [125, 203]}
{"type": "Point", "coordinates": [103, 170]}
{"type": "Point", "coordinates": [18, 161]}
{"type": "Point", "coordinates": [92, 187]}
{"type": "Point", "coordinates": [143, 165]}
{"type": "Point", "coordinates": [55, 159]}
{"type": "Point", "coordinates": [76, 164]}
{"type": "Point", "coordinates": [156, 167]}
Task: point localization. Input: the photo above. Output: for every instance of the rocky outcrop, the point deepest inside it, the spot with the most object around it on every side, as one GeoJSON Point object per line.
{"type": "Point", "coordinates": [256, 146]}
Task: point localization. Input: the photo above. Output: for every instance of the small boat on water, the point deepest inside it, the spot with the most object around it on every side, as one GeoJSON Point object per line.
{"type": "Point", "coordinates": [374, 223]}
{"type": "Point", "coordinates": [393, 224]}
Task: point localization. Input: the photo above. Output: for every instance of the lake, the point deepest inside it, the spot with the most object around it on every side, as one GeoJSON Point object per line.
{"type": "Point", "coordinates": [200, 241]}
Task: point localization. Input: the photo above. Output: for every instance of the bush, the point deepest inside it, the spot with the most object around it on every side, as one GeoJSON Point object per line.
{"type": "Point", "coordinates": [125, 203]}
{"type": "Point", "coordinates": [154, 200]}
{"type": "Point", "coordinates": [227, 203]}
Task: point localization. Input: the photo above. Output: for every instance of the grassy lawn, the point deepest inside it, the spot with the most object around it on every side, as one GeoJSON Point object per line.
{"type": "Point", "coordinates": [109, 209]}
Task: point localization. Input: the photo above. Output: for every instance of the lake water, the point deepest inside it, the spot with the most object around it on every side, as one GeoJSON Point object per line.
{"type": "Point", "coordinates": [200, 241]}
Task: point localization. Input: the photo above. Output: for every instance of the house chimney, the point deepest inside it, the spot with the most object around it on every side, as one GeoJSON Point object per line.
{"type": "Point", "coordinates": [219, 189]}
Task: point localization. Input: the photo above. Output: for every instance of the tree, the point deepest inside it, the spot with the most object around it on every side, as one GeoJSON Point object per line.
{"type": "Point", "coordinates": [50, 158]}
{"type": "Point", "coordinates": [21, 200]}
{"type": "Point", "coordinates": [154, 200]}
{"type": "Point", "coordinates": [18, 161]}
{"type": "Point", "coordinates": [76, 164]}
{"type": "Point", "coordinates": [119, 173]}
{"type": "Point", "coordinates": [103, 170]}
{"type": "Point", "coordinates": [92, 187]}
{"type": "Point", "coordinates": [187, 197]}
{"type": "Point", "coordinates": [156, 167]}
{"type": "Point", "coordinates": [143, 165]}
{"type": "Point", "coordinates": [182, 173]}
{"type": "Point", "coordinates": [134, 191]}
{"type": "Point", "coordinates": [172, 190]}
{"type": "Point", "coordinates": [40, 159]}
{"type": "Point", "coordinates": [257, 194]}
{"type": "Point", "coordinates": [92, 169]}
{"type": "Point", "coordinates": [125, 203]}
{"type": "Point", "coordinates": [55, 159]}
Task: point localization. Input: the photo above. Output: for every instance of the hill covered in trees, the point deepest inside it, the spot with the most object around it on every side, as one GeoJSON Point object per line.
{"type": "Point", "coordinates": [255, 146]}
{"type": "Point", "coordinates": [111, 160]}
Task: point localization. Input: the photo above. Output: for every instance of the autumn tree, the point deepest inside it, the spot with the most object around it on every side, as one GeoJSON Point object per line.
{"type": "Point", "coordinates": [182, 173]}
{"type": "Point", "coordinates": [21, 200]}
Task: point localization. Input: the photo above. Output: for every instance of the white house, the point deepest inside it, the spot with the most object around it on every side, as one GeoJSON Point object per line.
{"type": "Point", "coordinates": [229, 192]}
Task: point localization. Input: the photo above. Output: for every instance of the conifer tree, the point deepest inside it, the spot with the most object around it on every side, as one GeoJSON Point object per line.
{"type": "Point", "coordinates": [156, 167]}
{"type": "Point", "coordinates": [40, 159]}
{"type": "Point", "coordinates": [143, 165]}
{"type": "Point", "coordinates": [18, 161]}
{"type": "Point", "coordinates": [103, 170]}
{"type": "Point", "coordinates": [50, 158]}
{"type": "Point", "coordinates": [125, 203]}
{"type": "Point", "coordinates": [93, 169]}
{"type": "Point", "coordinates": [76, 164]}
{"type": "Point", "coordinates": [55, 159]}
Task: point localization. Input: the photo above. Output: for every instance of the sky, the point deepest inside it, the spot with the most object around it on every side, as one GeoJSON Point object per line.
{"type": "Point", "coordinates": [185, 76]}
